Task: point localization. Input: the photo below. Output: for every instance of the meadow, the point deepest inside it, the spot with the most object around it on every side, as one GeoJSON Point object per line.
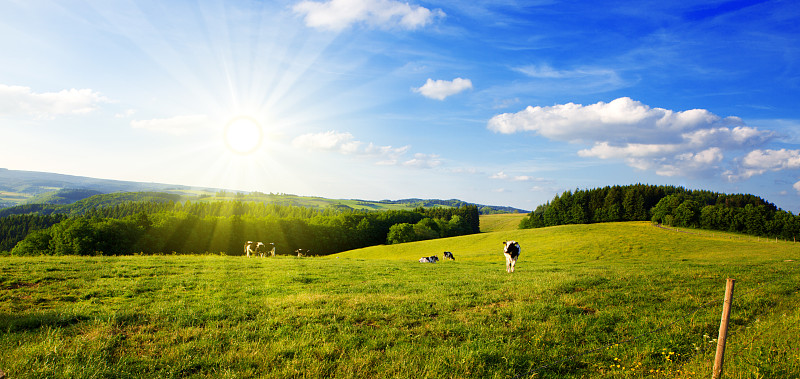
{"type": "Point", "coordinates": [617, 300]}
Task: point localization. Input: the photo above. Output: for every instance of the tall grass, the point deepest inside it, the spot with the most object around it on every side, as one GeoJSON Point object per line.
{"type": "Point", "coordinates": [617, 300]}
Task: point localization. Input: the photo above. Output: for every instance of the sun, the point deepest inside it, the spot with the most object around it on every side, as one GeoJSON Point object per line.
{"type": "Point", "coordinates": [243, 135]}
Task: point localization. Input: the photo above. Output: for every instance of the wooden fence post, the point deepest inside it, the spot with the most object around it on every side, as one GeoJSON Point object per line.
{"type": "Point", "coordinates": [723, 329]}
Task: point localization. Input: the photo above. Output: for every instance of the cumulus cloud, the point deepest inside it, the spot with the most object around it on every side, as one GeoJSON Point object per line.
{"type": "Point", "coordinates": [337, 15]}
{"type": "Point", "coordinates": [345, 143]}
{"type": "Point", "coordinates": [758, 162]}
{"type": "Point", "coordinates": [178, 125]}
{"type": "Point", "coordinates": [671, 143]}
{"type": "Point", "coordinates": [19, 100]}
{"type": "Point", "coordinates": [620, 121]}
{"type": "Point", "coordinates": [441, 89]}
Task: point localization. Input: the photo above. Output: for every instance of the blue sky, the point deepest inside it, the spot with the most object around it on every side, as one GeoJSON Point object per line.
{"type": "Point", "coordinates": [495, 102]}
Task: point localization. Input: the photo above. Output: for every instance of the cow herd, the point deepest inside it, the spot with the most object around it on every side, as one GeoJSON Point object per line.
{"type": "Point", "coordinates": [511, 250]}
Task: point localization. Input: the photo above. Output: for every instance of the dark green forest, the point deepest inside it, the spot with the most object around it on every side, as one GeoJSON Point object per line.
{"type": "Point", "coordinates": [668, 205]}
{"type": "Point", "coordinates": [160, 225]}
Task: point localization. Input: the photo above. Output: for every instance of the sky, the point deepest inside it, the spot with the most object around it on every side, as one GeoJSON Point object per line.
{"type": "Point", "coordinates": [492, 102]}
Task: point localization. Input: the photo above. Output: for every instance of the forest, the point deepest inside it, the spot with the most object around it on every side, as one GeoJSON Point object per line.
{"type": "Point", "coordinates": [668, 205]}
{"type": "Point", "coordinates": [166, 227]}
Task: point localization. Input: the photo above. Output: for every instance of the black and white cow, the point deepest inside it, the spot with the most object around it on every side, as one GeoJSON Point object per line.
{"type": "Point", "coordinates": [431, 259]}
{"type": "Point", "coordinates": [263, 250]}
{"type": "Point", "coordinates": [251, 247]}
{"type": "Point", "coordinates": [258, 247]}
{"type": "Point", "coordinates": [449, 255]}
{"type": "Point", "coordinates": [511, 250]}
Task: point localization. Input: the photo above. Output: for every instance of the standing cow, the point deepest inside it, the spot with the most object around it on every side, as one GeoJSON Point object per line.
{"type": "Point", "coordinates": [251, 247]}
{"type": "Point", "coordinates": [263, 249]}
{"type": "Point", "coordinates": [511, 250]}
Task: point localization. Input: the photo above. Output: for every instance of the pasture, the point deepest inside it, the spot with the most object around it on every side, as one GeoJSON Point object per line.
{"type": "Point", "coordinates": [619, 300]}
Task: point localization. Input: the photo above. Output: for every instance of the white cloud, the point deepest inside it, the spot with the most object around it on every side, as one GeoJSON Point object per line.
{"type": "Point", "coordinates": [345, 143]}
{"type": "Point", "coordinates": [671, 143]}
{"type": "Point", "coordinates": [547, 72]}
{"type": "Point", "coordinates": [758, 162]}
{"type": "Point", "coordinates": [773, 159]}
{"type": "Point", "coordinates": [423, 161]}
{"type": "Point", "coordinates": [516, 178]}
{"type": "Point", "coordinates": [178, 125]}
{"type": "Point", "coordinates": [441, 89]}
{"type": "Point", "coordinates": [499, 175]}
{"type": "Point", "coordinates": [337, 15]}
{"type": "Point", "coordinates": [621, 120]}
{"type": "Point", "coordinates": [796, 186]}
{"type": "Point", "coordinates": [19, 100]}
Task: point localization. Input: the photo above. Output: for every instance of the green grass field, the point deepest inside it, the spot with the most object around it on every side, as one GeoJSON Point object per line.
{"type": "Point", "coordinates": [500, 222]}
{"type": "Point", "coordinates": [622, 300]}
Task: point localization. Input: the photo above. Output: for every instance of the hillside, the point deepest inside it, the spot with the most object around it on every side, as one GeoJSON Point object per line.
{"type": "Point", "coordinates": [27, 187]}
{"type": "Point", "coordinates": [616, 300]}
{"type": "Point", "coordinates": [578, 244]}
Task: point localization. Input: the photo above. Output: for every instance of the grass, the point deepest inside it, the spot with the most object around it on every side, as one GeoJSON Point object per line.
{"type": "Point", "coordinates": [501, 222]}
{"type": "Point", "coordinates": [612, 300]}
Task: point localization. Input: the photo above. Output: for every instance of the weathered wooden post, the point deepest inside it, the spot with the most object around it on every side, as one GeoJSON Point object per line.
{"type": "Point", "coordinates": [723, 329]}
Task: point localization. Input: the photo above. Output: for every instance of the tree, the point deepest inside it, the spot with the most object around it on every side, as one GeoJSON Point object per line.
{"type": "Point", "coordinates": [687, 214]}
{"type": "Point", "coordinates": [36, 243]}
{"type": "Point", "coordinates": [401, 233]}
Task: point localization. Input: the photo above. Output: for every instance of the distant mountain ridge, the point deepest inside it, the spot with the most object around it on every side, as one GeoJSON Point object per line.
{"type": "Point", "coordinates": [51, 192]}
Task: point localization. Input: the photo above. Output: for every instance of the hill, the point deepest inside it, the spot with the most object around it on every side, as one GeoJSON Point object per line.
{"type": "Point", "coordinates": [617, 300]}
{"type": "Point", "coordinates": [28, 187]}
{"type": "Point", "coordinates": [576, 244]}
{"type": "Point", "coordinates": [501, 221]}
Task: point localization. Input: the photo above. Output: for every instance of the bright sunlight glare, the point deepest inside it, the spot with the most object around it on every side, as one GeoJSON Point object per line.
{"type": "Point", "coordinates": [243, 135]}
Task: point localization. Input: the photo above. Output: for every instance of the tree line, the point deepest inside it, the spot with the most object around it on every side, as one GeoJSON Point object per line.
{"type": "Point", "coordinates": [669, 205]}
{"type": "Point", "coordinates": [222, 227]}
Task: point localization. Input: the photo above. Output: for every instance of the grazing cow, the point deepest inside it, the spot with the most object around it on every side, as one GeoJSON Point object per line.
{"type": "Point", "coordinates": [511, 250]}
{"type": "Point", "coordinates": [431, 259]}
{"type": "Point", "coordinates": [264, 251]}
{"type": "Point", "coordinates": [302, 252]}
{"type": "Point", "coordinates": [251, 247]}
{"type": "Point", "coordinates": [449, 255]}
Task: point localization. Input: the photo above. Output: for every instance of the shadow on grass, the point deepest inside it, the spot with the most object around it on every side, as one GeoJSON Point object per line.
{"type": "Point", "coordinates": [12, 323]}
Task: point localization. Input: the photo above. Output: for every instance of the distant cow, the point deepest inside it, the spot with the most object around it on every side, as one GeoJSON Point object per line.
{"type": "Point", "coordinates": [449, 255]}
{"type": "Point", "coordinates": [259, 248]}
{"type": "Point", "coordinates": [302, 252]}
{"type": "Point", "coordinates": [511, 250]}
{"type": "Point", "coordinates": [251, 247]}
{"type": "Point", "coordinates": [264, 251]}
{"type": "Point", "coordinates": [431, 259]}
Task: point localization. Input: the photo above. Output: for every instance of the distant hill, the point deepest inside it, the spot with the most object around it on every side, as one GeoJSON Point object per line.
{"type": "Point", "coordinates": [21, 187]}
{"type": "Point", "coordinates": [62, 196]}
{"type": "Point", "coordinates": [24, 192]}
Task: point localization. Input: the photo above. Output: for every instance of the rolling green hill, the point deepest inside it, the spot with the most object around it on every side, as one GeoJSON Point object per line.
{"type": "Point", "coordinates": [598, 243]}
{"type": "Point", "coordinates": [27, 187]}
{"type": "Point", "coordinates": [618, 300]}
